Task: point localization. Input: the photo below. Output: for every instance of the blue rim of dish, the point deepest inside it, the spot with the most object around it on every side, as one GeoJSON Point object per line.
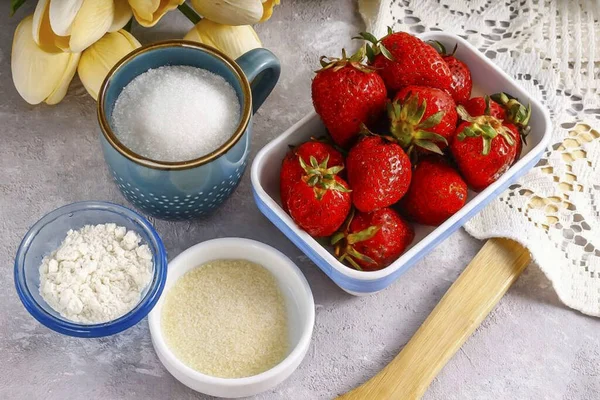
{"type": "Point", "coordinates": [107, 328]}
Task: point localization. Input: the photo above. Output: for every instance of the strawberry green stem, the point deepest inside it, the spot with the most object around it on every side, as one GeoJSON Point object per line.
{"type": "Point", "coordinates": [486, 126]}
{"type": "Point", "coordinates": [343, 242]}
{"type": "Point", "coordinates": [320, 177]}
{"type": "Point", "coordinates": [409, 129]}
{"type": "Point", "coordinates": [355, 61]}
{"type": "Point", "coordinates": [373, 46]}
{"type": "Point", "coordinates": [516, 112]}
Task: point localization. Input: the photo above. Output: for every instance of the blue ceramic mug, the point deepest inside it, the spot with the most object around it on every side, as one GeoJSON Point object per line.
{"type": "Point", "coordinates": [186, 189]}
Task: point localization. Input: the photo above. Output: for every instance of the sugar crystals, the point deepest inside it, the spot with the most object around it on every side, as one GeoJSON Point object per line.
{"type": "Point", "coordinates": [176, 113]}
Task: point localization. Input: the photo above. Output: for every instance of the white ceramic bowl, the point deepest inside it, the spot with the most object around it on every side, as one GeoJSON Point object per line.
{"type": "Point", "coordinates": [299, 304]}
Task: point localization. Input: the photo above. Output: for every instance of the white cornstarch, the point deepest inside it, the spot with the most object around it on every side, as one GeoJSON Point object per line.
{"type": "Point", "coordinates": [226, 318]}
{"type": "Point", "coordinates": [97, 274]}
{"type": "Point", "coordinates": [176, 113]}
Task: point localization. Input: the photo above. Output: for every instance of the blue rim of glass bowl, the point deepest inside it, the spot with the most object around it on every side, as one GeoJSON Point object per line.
{"type": "Point", "coordinates": [107, 328]}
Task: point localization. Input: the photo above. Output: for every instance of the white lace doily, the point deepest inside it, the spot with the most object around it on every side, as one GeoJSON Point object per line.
{"type": "Point", "coordinates": [552, 47]}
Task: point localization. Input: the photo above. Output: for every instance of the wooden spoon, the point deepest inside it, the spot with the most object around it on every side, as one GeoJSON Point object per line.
{"type": "Point", "coordinates": [462, 309]}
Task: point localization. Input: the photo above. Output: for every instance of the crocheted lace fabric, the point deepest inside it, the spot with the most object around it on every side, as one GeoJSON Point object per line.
{"type": "Point", "coordinates": [552, 48]}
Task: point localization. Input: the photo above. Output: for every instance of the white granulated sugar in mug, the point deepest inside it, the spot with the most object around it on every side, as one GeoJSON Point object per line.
{"type": "Point", "coordinates": [176, 113]}
{"type": "Point", "coordinates": [97, 274]}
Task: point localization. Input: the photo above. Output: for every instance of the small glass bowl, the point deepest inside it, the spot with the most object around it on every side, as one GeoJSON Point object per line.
{"type": "Point", "coordinates": [46, 236]}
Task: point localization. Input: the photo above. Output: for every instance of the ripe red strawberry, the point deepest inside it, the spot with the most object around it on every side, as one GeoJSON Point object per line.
{"type": "Point", "coordinates": [347, 94]}
{"type": "Point", "coordinates": [403, 59]}
{"type": "Point", "coordinates": [484, 148]}
{"type": "Point", "coordinates": [462, 84]}
{"type": "Point", "coordinates": [372, 241]}
{"type": "Point", "coordinates": [378, 173]}
{"type": "Point", "coordinates": [292, 171]}
{"type": "Point", "coordinates": [320, 201]}
{"type": "Point", "coordinates": [436, 192]}
{"type": "Point", "coordinates": [424, 117]}
{"type": "Point", "coordinates": [477, 106]}
{"type": "Point", "coordinates": [509, 110]}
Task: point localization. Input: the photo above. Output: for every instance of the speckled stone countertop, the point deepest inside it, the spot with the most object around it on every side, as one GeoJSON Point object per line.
{"type": "Point", "coordinates": [530, 347]}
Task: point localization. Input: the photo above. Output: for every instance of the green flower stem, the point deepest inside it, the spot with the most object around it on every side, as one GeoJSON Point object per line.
{"type": "Point", "coordinates": [128, 26]}
{"type": "Point", "coordinates": [189, 13]}
{"type": "Point", "coordinates": [15, 5]}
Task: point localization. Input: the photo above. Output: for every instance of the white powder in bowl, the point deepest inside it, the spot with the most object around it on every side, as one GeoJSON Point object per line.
{"type": "Point", "coordinates": [97, 274]}
{"type": "Point", "coordinates": [176, 113]}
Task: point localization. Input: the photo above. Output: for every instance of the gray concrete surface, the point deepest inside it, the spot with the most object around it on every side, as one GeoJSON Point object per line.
{"type": "Point", "coordinates": [531, 346]}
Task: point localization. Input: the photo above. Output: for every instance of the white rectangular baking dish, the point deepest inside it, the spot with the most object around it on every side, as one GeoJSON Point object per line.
{"type": "Point", "coordinates": [487, 78]}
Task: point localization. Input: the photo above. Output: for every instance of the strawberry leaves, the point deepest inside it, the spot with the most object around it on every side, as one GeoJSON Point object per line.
{"type": "Point", "coordinates": [374, 46]}
{"type": "Point", "coordinates": [441, 49]}
{"type": "Point", "coordinates": [343, 241]}
{"type": "Point", "coordinates": [516, 112]}
{"type": "Point", "coordinates": [485, 126]}
{"type": "Point", "coordinates": [320, 177]}
{"type": "Point", "coordinates": [408, 127]}
{"type": "Point", "coordinates": [432, 121]}
{"type": "Point", "coordinates": [355, 61]}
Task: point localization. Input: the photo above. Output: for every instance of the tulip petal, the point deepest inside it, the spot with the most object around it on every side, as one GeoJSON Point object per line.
{"type": "Point", "coordinates": [38, 74]}
{"type": "Point", "coordinates": [61, 90]}
{"type": "Point", "coordinates": [62, 15]}
{"type": "Point", "coordinates": [38, 16]}
{"type": "Point", "coordinates": [230, 12]}
{"type": "Point", "coordinates": [141, 10]}
{"type": "Point", "coordinates": [268, 9]}
{"type": "Point", "coordinates": [231, 40]}
{"type": "Point", "coordinates": [122, 16]}
{"type": "Point", "coordinates": [98, 59]}
{"type": "Point", "coordinates": [164, 7]}
{"type": "Point", "coordinates": [194, 35]}
{"type": "Point", "coordinates": [131, 39]}
{"type": "Point", "coordinates": [92, 22]}
{"type": "Point", "coordinates": [42, 32]}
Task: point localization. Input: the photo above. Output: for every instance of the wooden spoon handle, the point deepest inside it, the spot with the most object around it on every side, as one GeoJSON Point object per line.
{"type": "Point", "coordinates": [464, 306]}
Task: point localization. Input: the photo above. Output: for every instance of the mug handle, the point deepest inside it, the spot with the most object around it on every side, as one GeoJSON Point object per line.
{"type": "Point", "coordinates": [262, 68]}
